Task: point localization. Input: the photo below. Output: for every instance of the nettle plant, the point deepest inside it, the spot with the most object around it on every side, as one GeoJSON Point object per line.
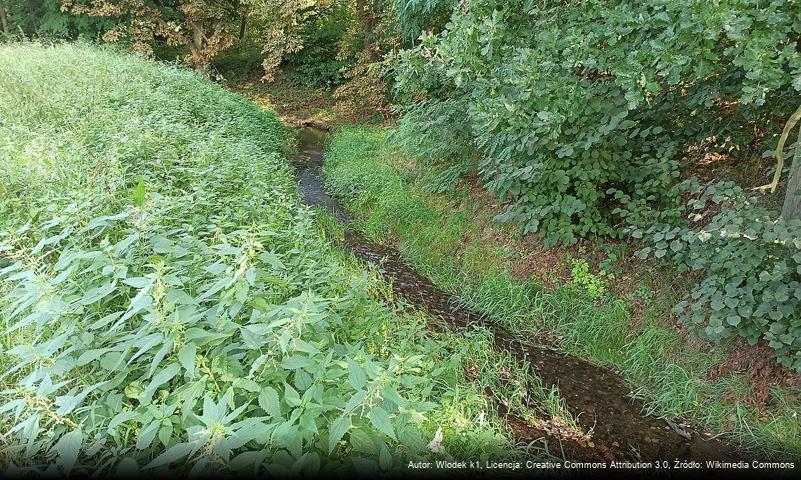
{"type": "Point", "coordinates": [195, 345]}
{"type": "Point", "coordinates": [750, 262]}
{"type": "Point", "coordinates": [166, 303]}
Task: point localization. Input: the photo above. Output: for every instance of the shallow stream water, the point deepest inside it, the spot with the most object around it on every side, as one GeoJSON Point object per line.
{"type": "Point", "coordinates": [596, 396]}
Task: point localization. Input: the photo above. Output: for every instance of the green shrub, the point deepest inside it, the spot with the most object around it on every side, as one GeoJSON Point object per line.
{"type": "Point", "coordinates": [579, 113]}
{"type": "Point", "coordinates": [44, 19]}
{"type": "Point", "coordinates": [595, 285]}
{"type": "Point", "coordinates": [414, 16]}
{"type": "Point", "coordinates": [240, 61]}
{"type": "Point", "coordinates": [324, 59]}
{"type": "Point", "coordinates": [750, 260]}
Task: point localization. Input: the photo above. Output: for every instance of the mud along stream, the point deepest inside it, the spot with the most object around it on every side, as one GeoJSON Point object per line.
{"type": "Point", "coordinates": [595, 396]}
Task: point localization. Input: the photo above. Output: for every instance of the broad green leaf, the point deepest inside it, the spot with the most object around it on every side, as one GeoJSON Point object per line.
{"type": "Point", "coordinates": [356, 376]}
{"type": "Point", "coordinates": [384, 458]}
{"type": "Point", "coordinates": [291, 396]}
{"type": "Point", "coordinates": [147, 434]}
{"type": "Point", "coordinates": [338, 430]}
{"type": "Point", "coordinates": [355, 401]}
{"type": "Point", "coordinates": [165, 433]}
{"type": "Point", "coordinates": [259, 303]}
{"type": "Point", "coordinates": [270, 402]}
{"type": "Point", "coordinates": [380, 420]}
{"type": "Point", "coordinates": [171, 455]}
{"type": "Point", "coordinates": [68, 447]}
{"type": "Point", "coordinates": [362, 442]}
{"type": "Point", "coordinates": [163, 376]}
{"type": "Point", "coordinates": [139, 192]}
{"type": "Point", "coordinates": [307, 421]}
{"type": "Point", "coordinates": [186, 357]}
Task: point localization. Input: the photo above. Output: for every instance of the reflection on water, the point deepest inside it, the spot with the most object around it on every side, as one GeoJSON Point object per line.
{"type": "Point", "coordinates": [595, 396]}
{"type": "Point", "coordinates": [307, 173]}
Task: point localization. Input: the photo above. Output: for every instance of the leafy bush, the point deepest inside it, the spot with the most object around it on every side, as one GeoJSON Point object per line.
{"type": "Point", "coordinates": [411, 17]}
{"type": "Point", "coordinates": [440, 132]}
{"type": "Point", "coordinates": [45, 19]}
{"type": "Point", "coordinates": [318, 74]}
{"type": "Point", "coordinates": [579, 115]}
{"type": "Point", "coordinates": [240, 61]}
{"type": "Point", "coordinates": [579, 112]}
{"type": "Point", "coordinates": [595, 285]}
{"type": "Point", "coordinates": [324, 59]}
{"type": "Point", "coordinates": [751, 264]}
{"type": "Point", "coordinates": [364, 94]}
{"type": "Point", "coordinates": [164, 300]}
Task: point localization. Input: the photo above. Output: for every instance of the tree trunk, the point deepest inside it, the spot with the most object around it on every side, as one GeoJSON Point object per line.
{"type": "Point", "coordinates": [242, 26]}
{"type": "Point", "coordinates": [197, 49]}
{"type": "Point", "coordinates": [3, 18]}
{"type": "Point", "coordinates": [197, 38]}
{"type": "Point", "coordinates": [792, 198]}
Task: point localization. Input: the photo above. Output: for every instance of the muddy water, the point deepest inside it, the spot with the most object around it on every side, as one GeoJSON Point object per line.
{"type": "Point", "coordinates": [595, 396]}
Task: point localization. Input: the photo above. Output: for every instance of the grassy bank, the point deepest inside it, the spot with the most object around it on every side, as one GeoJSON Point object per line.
{"type": "Point", "coordinates": [166, 302]}
{"type": "Point", "coordinates": [590, 304]}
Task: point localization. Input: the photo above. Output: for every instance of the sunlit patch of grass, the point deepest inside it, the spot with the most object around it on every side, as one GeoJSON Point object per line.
{"type": "Point", "coordinates": [513, 304]}
{"type": "Point", "coordinates": [644, 351]}
{"type": "Point", "coordinates": [782, 429]}
{"type": "Point", "coordinates": [478, 259]}
{"type": "Point", "coordinates": [329, 227]}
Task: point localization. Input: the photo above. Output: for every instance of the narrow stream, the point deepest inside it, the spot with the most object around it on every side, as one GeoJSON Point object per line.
{"type": "Point", "coordinates": [597, 397]}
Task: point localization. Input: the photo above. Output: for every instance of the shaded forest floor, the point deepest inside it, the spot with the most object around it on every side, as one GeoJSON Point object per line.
{"type": "Point", "coordinates": [293, 103]}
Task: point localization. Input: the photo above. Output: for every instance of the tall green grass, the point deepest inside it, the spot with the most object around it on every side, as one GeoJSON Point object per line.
{"type": "Point", "coordinates": [165, 302]}
{"type": "Point", "coordinates": [439, 235]}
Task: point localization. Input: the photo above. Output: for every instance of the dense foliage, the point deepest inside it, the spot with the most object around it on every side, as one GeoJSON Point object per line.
{"type": "Point", "coordinates": [751, 264]}
{"type": "Point", "coordinates": [328, 50]}
{"type": "Point", "coordinates": [44, 18]}
{"type": "Point", "coordinates": [199, 31]}
{"type": "Point", "coordinates": [164, 300]}
{"type": "Point", "coordinates": [580, 113]}
{"type": "Point", "coordinates": [204, 28]}
{"type": "Point", "coordinates": [413, 17]}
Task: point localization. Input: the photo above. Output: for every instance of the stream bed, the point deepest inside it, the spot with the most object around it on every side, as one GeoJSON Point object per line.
{"type": "Point", "coordinates": [595, 396]}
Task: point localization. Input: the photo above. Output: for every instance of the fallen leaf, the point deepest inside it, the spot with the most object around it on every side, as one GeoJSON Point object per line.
{"type": "Point", "coordinates": [436, 443]}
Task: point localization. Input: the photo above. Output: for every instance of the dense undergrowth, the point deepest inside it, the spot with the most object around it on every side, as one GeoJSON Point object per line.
{"type": "Point", "coordinates": [452, 238]}
{"type": "Point", "coordinates": [579, 114]}
{"type": "Point", "coordinates": [581, 118]}
{"type": "Point", "coordinates": [166, 302]}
